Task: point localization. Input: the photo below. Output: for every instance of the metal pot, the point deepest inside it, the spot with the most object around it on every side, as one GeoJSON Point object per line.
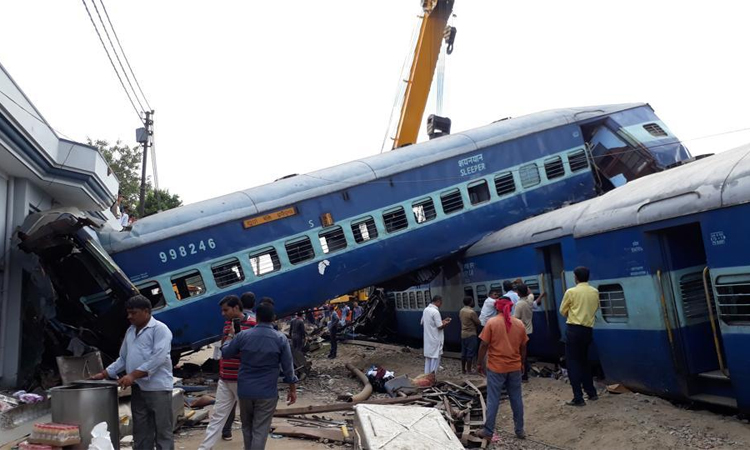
{"type": "Point", "coordinates": [87, 403]}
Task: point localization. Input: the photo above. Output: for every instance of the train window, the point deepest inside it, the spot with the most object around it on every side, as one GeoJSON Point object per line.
{"type": "Point", "coordinates": [529, 175]}
{"type": "Point", "coordinates": [554, 168]}
{"type": "Point", "coordinates": [655, 130]}
{"type": "Point", "coordinates": [733, 295]}
{"type": "Point", "coordinates": [332, 240]}
{"type": "Point", "coordinates": [395, 219]}
{"type": "Point", "coordinates": [227, 273]}
{"type": "Point", "coordinates": [412, 300]}
{"type": "Point", "coordinates": [420, 300]}
{"type": "Point", "coordinates": [265, 261]}
{"type": "Point", "coordinates": [399, 301]}
{"type": "Point", "coordinates": [577, 160]}
{"type": "Point", "coordinates": [427, 298]}
{"type": "Point", "coordinates": [188, 285]}
{"type": "Point", "coordinates": [424, 210]}
{"type": "Point", "coordinates": [481, 293]}
{"type": "Point", "coordinates": [612, 303]}
{"type": "Point", "coordinates": [299, 250]}
{"type": "Point", "coordinates": [451, 201]}
{"type": "Point", "coordinates": [392, 299]}
{"type": "Point", "coordinates": [364, 230]}
{"type": "Point", "coordinates": [693, 296]}
{"type": "Point", "coordinates": [497, 287]}
{"type": "Point", "coordinates": [533, 286]}
{"type": "Point", "coordinates": [504, 184]}
{"type": "Point", "coordinates": [469, 292]}
{"type": "Point", "coordinates": [153, 292]}
{"type": "Point", "coordinates": [479, 192]}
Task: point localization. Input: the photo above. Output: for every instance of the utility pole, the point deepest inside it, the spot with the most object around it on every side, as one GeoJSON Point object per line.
{"type": "Point", "coordinates": [143, 136]}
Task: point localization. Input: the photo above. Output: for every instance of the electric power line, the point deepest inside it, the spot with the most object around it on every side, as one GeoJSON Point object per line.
{"type": "Point", "coordinates": [106, 14]}
{"type": "Point", "coordinates": [110, 60]}
{"type": "Point", "coordinates": [117, 56]}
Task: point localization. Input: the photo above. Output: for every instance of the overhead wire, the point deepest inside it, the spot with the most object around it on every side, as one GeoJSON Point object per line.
{"type": "Point", "coordinates": [117, 56]}
{"type": "Point", "coordinates": [117, 72]}
{"type": "Point", "coordinates": [106, 14]}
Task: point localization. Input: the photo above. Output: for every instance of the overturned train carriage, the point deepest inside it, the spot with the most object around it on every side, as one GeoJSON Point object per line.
{"type": "Point", "coordinates": [670, 255]}
{"type": "Point", "coordinates": [312, 237]}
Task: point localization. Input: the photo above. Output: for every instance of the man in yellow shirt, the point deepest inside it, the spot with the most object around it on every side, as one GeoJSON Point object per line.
{"type": "Point", "coordinates": [579, 305]}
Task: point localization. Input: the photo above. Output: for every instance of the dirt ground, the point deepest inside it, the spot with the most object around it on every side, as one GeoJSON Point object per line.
{"type": "Point", "coordinates": [615, 421]}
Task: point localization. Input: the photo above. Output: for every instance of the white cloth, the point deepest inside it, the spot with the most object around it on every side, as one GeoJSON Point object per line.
{"type": "Point", "coordinates": [226, 397]}
{"type": "Point", "coordinates": [513, 296]}
{"type": "Point", "coordinates": [124, 220]}
{"type": "Point", "coordinates": [488, 311]}
{"type": "Point", "coordinates": [433, 335]}
{"type": "Point", "coordinates": [431, 364]}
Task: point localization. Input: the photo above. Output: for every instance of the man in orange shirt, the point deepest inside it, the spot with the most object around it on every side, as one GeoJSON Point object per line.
{"type": "Point", "coordinates": [504, 345]}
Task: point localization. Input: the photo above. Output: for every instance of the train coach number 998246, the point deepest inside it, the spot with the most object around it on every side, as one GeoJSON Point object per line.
{"type": "Point", "coordinates": [184, 250]}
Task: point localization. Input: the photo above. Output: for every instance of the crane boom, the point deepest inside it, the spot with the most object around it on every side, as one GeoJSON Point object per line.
{"type": "Point", "coordinates": [426, 53]}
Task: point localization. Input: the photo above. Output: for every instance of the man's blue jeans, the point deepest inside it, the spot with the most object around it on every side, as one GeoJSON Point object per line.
{"type": "Point", "coordinates": [495, 383]}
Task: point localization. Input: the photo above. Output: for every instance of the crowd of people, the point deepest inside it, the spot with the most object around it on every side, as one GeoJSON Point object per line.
{"type": "Point", "coordinates": [253, 356]}
{"type": "Point", "coordinates": [496, 339]}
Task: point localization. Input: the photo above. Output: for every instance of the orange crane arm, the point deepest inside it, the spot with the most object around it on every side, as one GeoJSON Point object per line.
{"type": "Point", "coordinates": [436, 15]}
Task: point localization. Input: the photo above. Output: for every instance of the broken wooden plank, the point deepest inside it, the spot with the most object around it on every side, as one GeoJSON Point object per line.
{"type": "Point", "coordinates": [481, 400]}
{"type": "Point", "coordinates": [311, 433]}
{"type": "Point", "coordinates": [284, 412]}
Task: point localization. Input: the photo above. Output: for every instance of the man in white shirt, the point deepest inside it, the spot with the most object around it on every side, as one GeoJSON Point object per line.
{"type": "Point", "coordinates": [433, 326]}
{"type": "Point", "coordinates": [488, 307]}
{"type": "Point", "coordinates": [125, 218]}
{"type": "Point", "coordinates": [510, 292]}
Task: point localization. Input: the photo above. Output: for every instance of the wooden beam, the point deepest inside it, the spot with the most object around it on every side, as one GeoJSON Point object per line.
{"type": "Point", "coordinates": [284, 412]}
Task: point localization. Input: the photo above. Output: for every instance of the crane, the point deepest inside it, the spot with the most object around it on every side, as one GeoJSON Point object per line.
{"type": "Point", "coordinates": [431, 35]}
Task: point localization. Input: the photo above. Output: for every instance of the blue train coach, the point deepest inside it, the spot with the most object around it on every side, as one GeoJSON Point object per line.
{"type": "Point", "coordinates": [670, 255]}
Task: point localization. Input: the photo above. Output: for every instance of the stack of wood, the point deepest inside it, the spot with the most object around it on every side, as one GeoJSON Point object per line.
{"type": "Point", "coordinates": [462, 405]}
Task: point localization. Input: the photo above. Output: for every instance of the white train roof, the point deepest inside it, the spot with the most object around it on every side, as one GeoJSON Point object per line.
{"type": "Point", "coordinates": [713, 182]}
{"type": "Point", "coordinates": [292, 190]}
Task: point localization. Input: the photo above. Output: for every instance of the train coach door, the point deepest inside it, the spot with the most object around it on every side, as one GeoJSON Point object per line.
{"type": "Point", "coordinates": [554, 282]}
{"type": "Point", "coordinates": [686, 291]}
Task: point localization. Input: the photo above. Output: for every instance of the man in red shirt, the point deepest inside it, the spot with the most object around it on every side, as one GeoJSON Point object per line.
{"type": "Point", "coordinates": [226, 391]}
{"type": "Point", "coordinates": [504, 345]}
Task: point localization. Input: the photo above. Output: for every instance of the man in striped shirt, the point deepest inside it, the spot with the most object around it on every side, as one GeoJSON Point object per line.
{"type": "Point", "coordinates": [226, 391]}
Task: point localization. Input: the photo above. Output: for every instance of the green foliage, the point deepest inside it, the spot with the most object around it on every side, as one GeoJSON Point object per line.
{"type": "Point", "coordinates": [160, 200]}
{"type": "Point", "coordinates": [125, 162]}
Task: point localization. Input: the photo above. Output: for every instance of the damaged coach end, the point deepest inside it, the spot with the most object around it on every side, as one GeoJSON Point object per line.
{"type": "Point", "coordinates": [88, 291]}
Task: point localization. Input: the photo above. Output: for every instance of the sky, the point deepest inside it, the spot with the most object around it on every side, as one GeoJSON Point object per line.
{"type": "Point", "coordinates": [245, 92]}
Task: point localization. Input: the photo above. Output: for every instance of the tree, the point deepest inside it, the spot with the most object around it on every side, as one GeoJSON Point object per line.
{"type": "Point", "coordinates": [125, 162]}
{"type": "Point", "coordinates": [158, 200]}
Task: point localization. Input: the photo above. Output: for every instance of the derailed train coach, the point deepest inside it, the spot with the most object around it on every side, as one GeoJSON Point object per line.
{"type": "Point", "coordinates": [307, 238]}
{"type": "Point", "coordinates": [670, 255]}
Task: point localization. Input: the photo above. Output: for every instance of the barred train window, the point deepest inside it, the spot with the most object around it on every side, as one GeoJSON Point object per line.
{"type": "Point", "coordinates": [481, 292]}
{"type": "Point", "coordinates": [612, 303]}
{"type": "Point", "coordinates": [424, 210]}
{"type": "Point", "coordinates": [299, 250]}
{"type": "Point", "coordinates": [479, 192]}
{"type": "Point", "coordinates": [188, 285]}
{"type": "Point", "coordinates": [733, 297]}
{"type": "Point", "coordinates": [364, 230]}
{"type": "Point", "coordinates": [152, 291]}
{"type": "Point", "coordinates": [399, 301]}
{"type": "Point", "coordinates": [451, 201]}
{"type": "Point", "coordinates": [332, 240]}
{"type": "Point", "coordinates": [529, 175]}
{"type": "Point", "coordinates": [265, 261]}
{"type": "Point", "coordinates": [427, 298]}
{"type": "Point", "coordinates": [227, 273]}
{"type": "Point", "coordinates": [504, 184]}
{"type": "Point", "coordinates": [577, 160]}
{"type": "Point", "coordinates": [469, 292]}
{"type": "Point", "coordinates": [395, 220]}
{"type": "Point", "coordinates": [497, 287]}
{"type": "Point", "coordinates": [553, 167]}
{"type": "Point", "coordinates": [693, 296]}
{"type": "Point", "coordinates": [412, 300]}
{"type": "Point", "coordinates": [655, 130]}
{"type": "Point", "coordinates": [420, 300]}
